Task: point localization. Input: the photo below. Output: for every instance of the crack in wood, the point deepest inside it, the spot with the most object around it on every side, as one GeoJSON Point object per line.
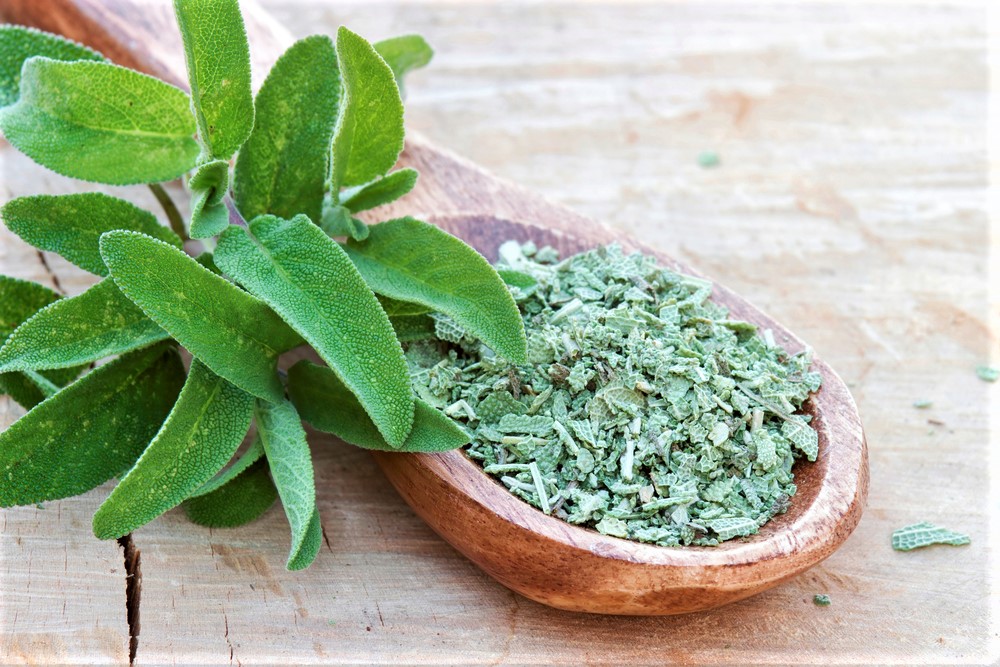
{"type": "Point", "coordinates": [133, 590]}
{"type": "Point", "coordinates": [325, 538]}
{"type": "Point", "coordinates": [225, 619]}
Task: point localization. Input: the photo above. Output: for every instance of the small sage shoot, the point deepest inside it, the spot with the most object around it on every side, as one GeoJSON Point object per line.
{"type": "Point", "coordinates": [285, 187]}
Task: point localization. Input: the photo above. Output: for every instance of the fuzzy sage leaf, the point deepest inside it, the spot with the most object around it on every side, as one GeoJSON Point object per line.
{"type": "Point", "coordinates": [280, 431]}
{"type": "Point", "coordinates": [403, 54]}
{"type": "Point", "coordinates": [409, 328]}
{"type": "Point", "coordinates": [282, 167]}
{"type": "Point", "coordinates": [310, 282]}
{"type": "Point", "coordinates": [18, 43]}
{"type": "Point", "coordinates": [28, 389]}
{"type": "Point", "coordinates": [99, 122]}
{"type": "Point", "coordinates": [397, 308]}
{"type": "Point", "coordinates": [410, 260]}
{"type": "Point", "coordinates": [411, 321]}
{"type": "Point", "coordinates": [380, 192]}
{"type": "Point", "coordinates": [209, 215]}
{"type": "Point", "coordinates": [19, 300]}
{"type": "Point", "coordinates": [63, 446]}
{"type": "Point", "coordinates": [240, 500]}
{"type": "Point", "coordinates": [253, 453]}
{"type": "Point", "coordinates": [233, 333]}
{"type": "Point", "coordinates": [323, 401]}
{"type": "Point", "coordinates": [71, 225]}
{"type": "Point", "coordinates": [369, 136]}
{"type": "Point", "coordinates": [337, 221]}
{"type": "Point", "coordinates": [218, 64]}
{"type": "Point", "coordinates": [99, 323]}
{"type": "Point", "coordinates": [201, 433]}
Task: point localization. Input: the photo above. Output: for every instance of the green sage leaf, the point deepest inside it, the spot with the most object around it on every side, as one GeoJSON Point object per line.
{"type": "Point", "coordinates": [323, 401]}
{"type": "Point", "coordinates": [100, 122]}
{"type": "Point", "coordinates": [99, 323]}
{"type": "Point", "coordinates": [218, 64]}
{"type": "Point", "coordinates": [202, 431]}
{"type": "Point", "coordinates": [18, 43]}
{"type": "Point", "coordinates": [282, 167]}
{"type": "Point", "coordinates": [369, 135]}
{"type": "Point", "coordinates": [377, 193]}
{"type": "Point", "coordinates": [310, 282]}
{"type": "Point", "coordinates": [310, 544]}
{"type": "Point", "coordinates": [71, 225]}
{"type": "Point", "coordinates": [30, 388]}
{"type": "Point", "coordinates": [337, 221]}
{"type": "Point", "coordinates": [396, 308]}
{"type": "Point", "coordinates": [403, 54]}
{"type": "Point", "coordinates": [19, 300]}
{"type": "Point", "coordinates": [208, 261]}
{"type": "Point", "coordinates": [234, 334]}
{"type": "Point", "coordinates": [64, 446]}
{"type": "Point", "coordinates": [411, 321]}
{"type": "Point", "coordinates": [517, 279]}
{"type": "Point", "coordinates": [45, 385]}
{"type": "Point", "coordinates": [253, 453]}
{"type": "Point", "coordinates": [411, 260]}
{"type": "Point", "coordinates": [237, 502]}
{"type": "Point", "coordinates": [209, 215]}
{"type": "Point", "coordinates": [280, 430]}
{"type": "Point", "coordinates": [409, 328]}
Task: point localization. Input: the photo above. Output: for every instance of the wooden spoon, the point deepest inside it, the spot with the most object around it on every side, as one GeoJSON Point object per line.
{"type": "Point", "coordinates": [541, 557]}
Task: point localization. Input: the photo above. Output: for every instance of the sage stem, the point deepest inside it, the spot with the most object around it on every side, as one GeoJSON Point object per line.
{"type": "Point", "coordinates": [173, 215]}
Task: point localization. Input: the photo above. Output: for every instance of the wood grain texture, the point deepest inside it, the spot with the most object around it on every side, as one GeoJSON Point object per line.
{"type": "Point", "coordinates": [850, 203]}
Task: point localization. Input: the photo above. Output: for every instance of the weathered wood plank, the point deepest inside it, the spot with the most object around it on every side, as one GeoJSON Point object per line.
{"type": "Point", "coordinates": [62, 593]}
{"type": "Point", "coordinates": [850, 203]}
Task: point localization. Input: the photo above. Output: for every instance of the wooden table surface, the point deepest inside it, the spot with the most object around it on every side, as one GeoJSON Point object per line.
{"type": "Point", "coordinates": [851, 202]}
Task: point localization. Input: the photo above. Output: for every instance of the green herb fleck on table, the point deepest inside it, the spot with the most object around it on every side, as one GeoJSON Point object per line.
{"type": "Point", "coordinates": [821, 600]}
{"type": "Point", "coordinates": [643, 412]}
{"type": "Point", "coordinates": [988, 373]}
{"type": "Point", "coordinates": [923, 404]}
{"type": "Point", "coordinates": [708, 159]}
{"type": "Point", "coordinates": [316, 146]}
{"type": "Point", "coordinates": [925, 534]}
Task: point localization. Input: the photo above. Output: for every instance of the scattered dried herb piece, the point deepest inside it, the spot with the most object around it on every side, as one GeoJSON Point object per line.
{"type": "Point", "coordinates": [922, 404]}
{"type": "Point", "coordinates": [643, 412]}
{"type": "Point", "coordinates": [821, 600]}
{"type": "Point", "coordinates": [925, 534]}
{"type": "Point", "coordinates": [988, 373]}
{"type": "Point", "coordinates": [708, 159]}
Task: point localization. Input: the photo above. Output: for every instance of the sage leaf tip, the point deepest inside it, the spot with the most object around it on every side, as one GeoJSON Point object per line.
{"type": "Point", "coordinates": [103, 523]}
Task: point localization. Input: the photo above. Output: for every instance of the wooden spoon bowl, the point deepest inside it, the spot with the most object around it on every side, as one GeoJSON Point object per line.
{"type": "Point", "coordinates": [578, 569]}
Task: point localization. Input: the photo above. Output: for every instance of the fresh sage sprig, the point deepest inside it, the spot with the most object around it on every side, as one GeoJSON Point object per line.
{"type": "Point", "coordinates": [276, 182]}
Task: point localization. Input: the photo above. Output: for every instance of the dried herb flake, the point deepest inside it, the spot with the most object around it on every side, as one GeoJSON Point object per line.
{"type": "Point", "coordinates": [643, 411]}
